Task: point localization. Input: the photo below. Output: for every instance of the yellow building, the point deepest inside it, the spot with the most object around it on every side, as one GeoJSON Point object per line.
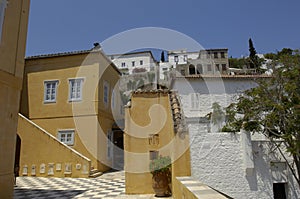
{"type": "Point", "coordinates": [154, 126]}
{"type": "Point", "coordinates": [13, 31]}
{"type": "Point", "coordinates": [72, 102]}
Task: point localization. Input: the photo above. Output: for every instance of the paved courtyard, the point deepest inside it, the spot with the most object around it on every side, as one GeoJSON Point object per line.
{"type": "Point", "coordinates": [109, 185]}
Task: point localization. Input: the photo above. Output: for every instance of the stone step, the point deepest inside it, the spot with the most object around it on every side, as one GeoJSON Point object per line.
{"type": "Point", "coordinates": [94, 173]}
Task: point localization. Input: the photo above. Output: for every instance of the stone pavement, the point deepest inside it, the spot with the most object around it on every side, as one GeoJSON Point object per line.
{"type": "Point", "coordinates": [109, 185]}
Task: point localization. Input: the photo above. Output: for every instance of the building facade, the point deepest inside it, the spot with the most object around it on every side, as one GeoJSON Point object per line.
{"type": "Point", "coordinates": [241, 165]}
{"type": "Point", "coordinates": [13, 31]}
{"type": "Point", "coordinates": [237, 164]}
{"type": "Point", "coordinates": [134, 62]}
{"type": "Point", "coordinates": [74, 98]}
{"type": "Point", "coordinates": [208, 62]}
{"type": "Point", "coordinates": [176, 57]}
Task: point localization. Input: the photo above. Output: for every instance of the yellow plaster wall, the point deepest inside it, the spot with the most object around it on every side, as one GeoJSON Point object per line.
{"type": "Point", "coordinates": [85, 128]}
{"type": "Point", "coordinates": [62, 107]}
{"type": "Point", "coordinates": [90, 118]}
{"type": "Point", "coordinates": [146, 109]}
{"type": "Point", "coordinates": [12, 51]}
{"type": "Point", "coordinates": [38, 147]}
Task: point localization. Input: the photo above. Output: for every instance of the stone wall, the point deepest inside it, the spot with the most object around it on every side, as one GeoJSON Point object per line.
{"type": "Point", "coordinates": [220, 161]}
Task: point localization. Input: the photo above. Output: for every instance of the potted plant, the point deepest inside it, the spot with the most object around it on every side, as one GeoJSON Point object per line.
{"type": "Point", "coordinates": [160, 169]}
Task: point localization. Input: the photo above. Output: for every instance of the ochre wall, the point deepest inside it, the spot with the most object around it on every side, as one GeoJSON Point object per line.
{"type": "Point", "coordinates": [85, 132]}
{"type": "Point", "coordinates": [90, 118]}
{"type": "Point", "coordinates": [38, 147]}
{"type": "Point", "coordinates": [12, 52]}
{"type": "Point", "coordinates": [150, 108]}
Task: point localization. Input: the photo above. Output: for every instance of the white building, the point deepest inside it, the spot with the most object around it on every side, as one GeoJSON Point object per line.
{"type": "Point", "coordinates": [176, 57]}
{"type": "Point", "coordinates": [237, 164]}
{"type": "Point", "coordinates": [134, 62]}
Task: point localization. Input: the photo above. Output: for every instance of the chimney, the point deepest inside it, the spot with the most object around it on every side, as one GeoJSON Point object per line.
{"type": "Point", "coordinates": [97, 46]}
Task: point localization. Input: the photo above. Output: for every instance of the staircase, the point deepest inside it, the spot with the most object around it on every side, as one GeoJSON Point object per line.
{"type": "Point", "coordinates": [94, 173]}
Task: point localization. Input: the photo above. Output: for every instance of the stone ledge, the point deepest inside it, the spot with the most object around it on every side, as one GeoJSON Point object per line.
{"type": "Point", "coordinates": [191, 188]}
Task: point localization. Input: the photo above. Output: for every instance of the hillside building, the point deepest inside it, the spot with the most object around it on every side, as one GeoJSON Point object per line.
{"type": "Point", "coordinates": [72, 101]}
{"type": "Point", "coordinates": [134, 62]}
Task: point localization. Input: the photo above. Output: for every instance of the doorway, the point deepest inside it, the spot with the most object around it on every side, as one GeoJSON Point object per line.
{"type": "Point", "coordinates": [118, 149]}
{"type": "Point", "coordinates": [279, 190]}
{"type": "Point", "coordinates": [17, 156]}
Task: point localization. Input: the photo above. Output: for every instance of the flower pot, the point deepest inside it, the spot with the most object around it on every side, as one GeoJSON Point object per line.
{"type": "Point", "coordinates": [160, 184]}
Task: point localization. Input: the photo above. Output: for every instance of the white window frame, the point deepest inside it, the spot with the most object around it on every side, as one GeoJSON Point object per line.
{"type": "Point", "coordinates": [105, 93]}
{"type": "Point", "coordinates": [52, 93]}
{"type": "Point", "coordinates": [123, 64]}
{"type": "Point", "coordinates": [62, 136]}
{"type": "Point", "coordinates": [112, 98]}
{"type": "Point", "coordinates": [185, 58]}
{"type": "Point", "coordinates": [176, 58]}
{"type": "Point", "coordinates": [3, 4]}
{"type": "Point", "coordinates": [76, 98]}
{"type": "Point", "coordinates": [195, 101]}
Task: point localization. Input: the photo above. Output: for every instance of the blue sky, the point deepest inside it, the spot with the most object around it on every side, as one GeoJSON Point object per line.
{"type": "Point", "coordinates": [68, 25]}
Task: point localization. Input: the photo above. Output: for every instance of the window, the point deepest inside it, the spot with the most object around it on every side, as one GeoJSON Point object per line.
{"type": "Point", "coordinates": [105, 93]}
{"type": "Point", "coordinates": [224, 67]}
{"type": "Point", "coordinates": [3, 4]}
{"type": "Point", "coordinates": [66, 136]}
{"type": "Point", "coordinates": [113, 99]}
{"type": "Point", "coordinates": [123, 64]}
{"type": "Point", "coordinates": [153, 155]}
{"type": "Point", "coordinates": [75, 89]}
{"type": "Point", "coordinates": [153, 139]}
{"type": "Point", "coordinates": [218, 67]}
{"type": "Point", "coordinates": [141, 62]}
{"type": "Point", "coordinates": [222, 54]}
{"type": "Point", "coordinates": [109, 144]}
{"type": "Point", "coordinates": [209, 67]}
{"type": "Point", "coordinates": [50, 90]}
{"type": "Point", "coordinates": [176, 58]}
{"type": "Point", "coordinates": [184, 57]}
{"type": "Point", "coordinates": [195, 101]}
{"type": "Point", "coordinates": [279, 190]}
{"type": "Point", "coordinates": [192, 70]}
{"type": "Point", "coordinates": [215, 55]}
{"type": "Point", "coordinates": [133, 63]}
{"type": "Point", "coordinates": [208, 55]}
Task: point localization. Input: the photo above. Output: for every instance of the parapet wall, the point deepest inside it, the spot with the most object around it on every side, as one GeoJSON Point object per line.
{"type": "Point", "coordinates": [43, 155]}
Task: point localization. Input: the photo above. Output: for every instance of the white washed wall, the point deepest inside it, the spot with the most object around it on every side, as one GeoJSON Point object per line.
{"type": "Point", "coordinates": [217, 160]}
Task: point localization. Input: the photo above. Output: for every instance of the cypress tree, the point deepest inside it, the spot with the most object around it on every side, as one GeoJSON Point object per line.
{"type": "Point", "coordinates": [162, 56]}
{"type": "Point", "coordinates": [252, 56]}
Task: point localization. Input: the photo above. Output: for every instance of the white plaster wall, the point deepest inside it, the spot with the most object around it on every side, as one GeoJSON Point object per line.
{"type": "Point", "coordinates": [190, 55]}
{"type": "Point", "coordinates": [217, 160]}
{"type": "Point", "coordinates": [148, 62]}
{"type": "Point", "coordinates": [223, 91]}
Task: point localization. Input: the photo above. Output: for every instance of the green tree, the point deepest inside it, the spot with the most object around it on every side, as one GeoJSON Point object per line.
{"type": "Point", "coordinates": [273, 107]}
{"type": "Point", "coordinates": [253, 59]}
{"type": "Point", "coordinates": [237, 62]}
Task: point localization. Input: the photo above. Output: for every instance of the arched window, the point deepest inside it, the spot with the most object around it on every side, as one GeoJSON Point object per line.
{"type": "Point", "coordinates": [192, 70]}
